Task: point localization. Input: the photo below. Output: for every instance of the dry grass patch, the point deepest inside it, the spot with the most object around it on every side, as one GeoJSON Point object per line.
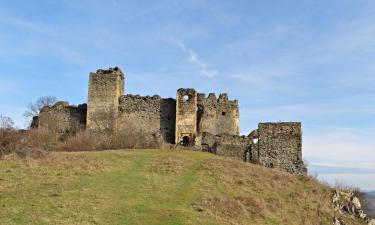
{"type": "Point", "coordinates": [237, 174]}
{"type": "Point", "coordinates": [168, 165]}
{"type": "Point", "coordinates": [238, 210]}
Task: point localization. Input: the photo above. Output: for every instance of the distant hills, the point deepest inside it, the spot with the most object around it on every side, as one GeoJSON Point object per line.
{"type": "Point", "coordinates": [370, 202]}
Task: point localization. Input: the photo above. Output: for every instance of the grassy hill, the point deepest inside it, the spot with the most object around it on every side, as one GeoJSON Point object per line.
{"type": "Point", "coordinates": [156, 187]}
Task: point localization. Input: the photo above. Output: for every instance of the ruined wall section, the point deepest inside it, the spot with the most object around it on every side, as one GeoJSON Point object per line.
{"type": "Point", "coordinates": [148, 115]}
{"type": "Point", "coordinates": [62, 117]}
{"type": "Point", "coordinates": [227, 145]}
{"type": "Point", "coordinates": [280, 146]}
{"type": "Point", "coordinates": [105, 89]}
{"type": "Point", "coordinates": [168, 119]}
{"type": "Point", "coordinates": [217, 115]}
{"type": "Point", "coordinates": [186, 116]}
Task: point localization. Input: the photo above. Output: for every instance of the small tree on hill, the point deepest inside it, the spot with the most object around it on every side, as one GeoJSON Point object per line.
{"type": "Point", "coordinates": [33, 109]}
{"type": "Point", "coordinates": [6, 123]}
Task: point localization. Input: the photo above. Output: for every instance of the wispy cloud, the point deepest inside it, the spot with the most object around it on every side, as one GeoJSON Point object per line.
{"type": "Point", "coordinates": [194, 59]}
{"type": "Point", "coordinates": [26, 25]}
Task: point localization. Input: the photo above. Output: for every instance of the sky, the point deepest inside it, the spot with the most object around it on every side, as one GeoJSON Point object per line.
{"type": "Point", "coordinates": [292, 60]}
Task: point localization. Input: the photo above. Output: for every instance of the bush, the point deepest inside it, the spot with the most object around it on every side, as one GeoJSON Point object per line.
{"type": "Point", "coordinates": [35, 142]}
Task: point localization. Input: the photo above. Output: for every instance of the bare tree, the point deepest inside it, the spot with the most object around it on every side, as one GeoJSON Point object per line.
{"type": "Point", "coordinates": [33, 109]}
{"type": "Point", "coordinates": [6, 123]}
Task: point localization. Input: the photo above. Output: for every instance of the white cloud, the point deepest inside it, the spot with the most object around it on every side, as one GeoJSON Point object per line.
{"type": "Point", "coordinates": [340, 147]}
{"type": "Point", "coordinates": [195, 60]}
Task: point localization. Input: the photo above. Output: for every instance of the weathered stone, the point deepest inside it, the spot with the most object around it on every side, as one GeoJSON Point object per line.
{"type": "Point", "coordinates": [208, 124]}
{"type": "Point", "coordinates": [186, 116]}
{"type": "Point", "coordinates": [356, 203]}
{"type": "Point", "coordinates": [62, 117]}
{"type": "Point", "coordinates": [148, 115]}
{"type": "Point", "coordinates": [105, 89]}
{"type": "Point", "coordinates": [338, 222]}
{"type": "Point", "coordinates": [217, 116]}
{"type": "Point", "coordinates": [227, 145]}
{"type": "Point", "coordinates": [361, 214]}
{"type": "Point", "coordinates": [280, 146]}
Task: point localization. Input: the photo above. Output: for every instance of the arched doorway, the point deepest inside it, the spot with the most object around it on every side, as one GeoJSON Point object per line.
{"type": "Point", "coordinates": [185, 141]}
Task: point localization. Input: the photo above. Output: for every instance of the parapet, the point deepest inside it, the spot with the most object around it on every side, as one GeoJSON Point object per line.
{"type": "Point", "coordinates": [110, 70]}
{"type": "Point", "coordinates": [217, 103]}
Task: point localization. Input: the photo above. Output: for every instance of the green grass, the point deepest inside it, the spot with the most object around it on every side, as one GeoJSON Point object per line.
{"type": "Point", "coordinates": [155, 187]}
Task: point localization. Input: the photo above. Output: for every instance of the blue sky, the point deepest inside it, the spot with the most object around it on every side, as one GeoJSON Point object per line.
{"type": "Point", "coordinates": [290, 60]}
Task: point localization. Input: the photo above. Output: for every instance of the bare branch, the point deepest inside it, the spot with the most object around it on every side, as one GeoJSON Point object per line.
{"type": "Point", "coordinates": [33, 109]}
{"type": "Point", "coordinates": [6, 123]}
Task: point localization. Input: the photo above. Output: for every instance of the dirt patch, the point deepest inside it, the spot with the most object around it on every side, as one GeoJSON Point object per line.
{"type": "Point", "coordinates": [168, 165]}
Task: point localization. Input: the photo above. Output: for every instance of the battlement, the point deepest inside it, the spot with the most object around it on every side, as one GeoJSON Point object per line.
{"type": "Point", "coordinates": [213, 101]}
{"type": "Point", "coordinates": [112, 71]}
{"type": "Point", "coordinates": [217, 115]}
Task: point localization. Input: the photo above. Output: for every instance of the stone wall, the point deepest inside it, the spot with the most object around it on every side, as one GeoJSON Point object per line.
{"type": "Point", "coordinates": [280, 146]}
{"type": "Point", "coordinates": [227, 145]}
{"type": "Point", "coordinates": [168, 119]}
{"type": "Point", "coordinates": [186, 116]}
{"type": "Point", "coordinates": [274, 145]}
{"type": "Point", "coordinates": [148, 115]}
{"type": "Point", "coordinates": [62, 117]}
{"type": "Point", "coordinates": [105, 89]}
{"type": "Point", "coordinates": [217, 115]}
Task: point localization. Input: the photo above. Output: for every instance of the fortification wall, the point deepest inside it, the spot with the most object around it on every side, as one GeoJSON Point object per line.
{"type": "Point", "coordinates": [217, 115]}
{"type": "Point", "coordinates": [186, 116]}
{"type": "Point", "coordinates": [63, 117]}
{"type": "Point", "coordinates": [280, 146]}
{"type": "Point", "coordinates": [227, 145]}
{"type": "Point", "coordinates": [105, 89]}
{"type": "Point", "coordinates": [168, 119]}
{"type": "Point", "coordinates": [147, 115]}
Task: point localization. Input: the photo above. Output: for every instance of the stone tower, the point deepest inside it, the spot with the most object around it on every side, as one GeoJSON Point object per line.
{"type": "Point", "coordinates": [186, 116]}
{"type": "Point", "coordinates": [105, 89]}
{"type": "Point", "coordinates": [218, 115]}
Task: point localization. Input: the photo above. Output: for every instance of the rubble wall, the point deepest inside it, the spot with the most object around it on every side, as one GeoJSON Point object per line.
{"type": "Point", "coordinates": [280, 146]}
{"type": "Point", "coordinates": [148, 115]}
{"type": "Point", "coordinates": [63, 117]}
{"type": "Point", "coordinates": [227, 145]}
{"type": "Point", "coordinates": [217, 115]}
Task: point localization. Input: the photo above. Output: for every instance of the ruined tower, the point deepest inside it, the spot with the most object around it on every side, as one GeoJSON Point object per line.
{"type": "Point", "coordinates": [218, 115]}
{"type": "Point", "coordinates": [186, 116]}
{"type": "Point", "coordinates": [105, 89]}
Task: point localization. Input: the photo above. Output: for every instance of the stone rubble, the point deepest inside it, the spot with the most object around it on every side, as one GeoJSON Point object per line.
{"type": "Point", "coordinates": [346, 202]}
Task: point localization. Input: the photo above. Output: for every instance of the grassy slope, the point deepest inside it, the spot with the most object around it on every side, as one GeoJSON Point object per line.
{"type": "Point", "coordinates": [155, 187]}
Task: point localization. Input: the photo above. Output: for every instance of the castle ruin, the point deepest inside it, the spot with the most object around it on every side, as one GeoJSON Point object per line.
{"type": "Point", "coordinates": [192, 120]}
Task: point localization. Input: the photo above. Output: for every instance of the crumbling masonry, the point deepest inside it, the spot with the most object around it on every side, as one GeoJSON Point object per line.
{"type": "Point", "coordinates": [191, 120]}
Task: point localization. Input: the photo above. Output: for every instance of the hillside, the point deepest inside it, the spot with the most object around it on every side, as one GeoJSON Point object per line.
{"type": "Point", "coordinates": [156, 187]}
